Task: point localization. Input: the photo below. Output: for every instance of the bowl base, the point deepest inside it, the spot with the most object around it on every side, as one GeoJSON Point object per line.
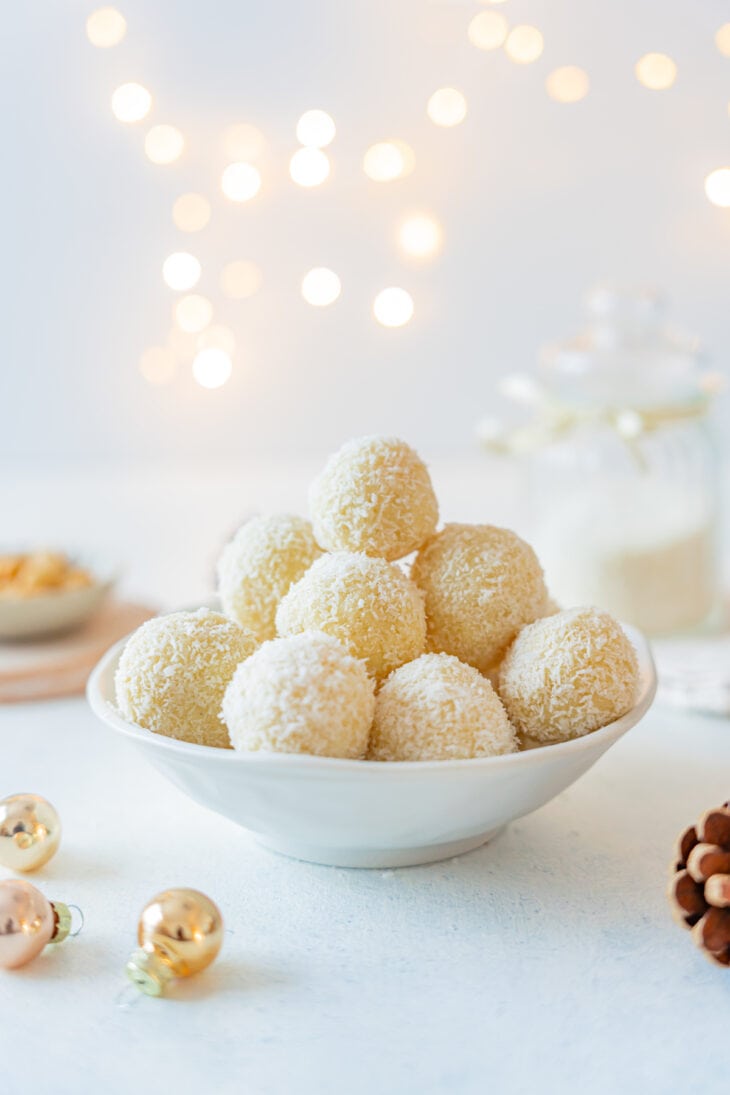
{"type": "Point", "coordinates": [376, 857]}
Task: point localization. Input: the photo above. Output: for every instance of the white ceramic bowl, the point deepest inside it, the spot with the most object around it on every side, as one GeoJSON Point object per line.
{"type": "Point", "coordinates": [350, 813]}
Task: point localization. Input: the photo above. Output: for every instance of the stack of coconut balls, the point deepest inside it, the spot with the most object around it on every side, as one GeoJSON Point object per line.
{"type": "Point", "coordinates": [328, 645]}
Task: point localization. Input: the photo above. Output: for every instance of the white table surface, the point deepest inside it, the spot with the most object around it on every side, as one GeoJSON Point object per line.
{"type": "Point", "coordinates": [546, 961]}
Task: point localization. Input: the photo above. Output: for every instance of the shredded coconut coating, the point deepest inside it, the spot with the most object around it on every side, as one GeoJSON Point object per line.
{"type": "Point", "coordinates": [481, 584]}
{"type": "Point", "coordinates": [374, 495]}
{"type": "Point", "coordinates": [265, 557]}
{"type": "Point", "coordinates": [302, 694]}
{"type": "Point", "coordinates": [438, 708]}
{"type": "Point", "coordinates": [568, 674]}
{"type": "Point", "coordinates": [174, 670]}
{"type": "Point", "coordinates": [368, 605]}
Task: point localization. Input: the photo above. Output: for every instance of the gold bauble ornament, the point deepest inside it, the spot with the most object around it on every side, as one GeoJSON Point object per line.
{"type": "Point", "coordinates": [28, 921]}
{"type": "Point", "coordinates": [30, 832]}
{"type": "Point", "coordinates": [180, 933]}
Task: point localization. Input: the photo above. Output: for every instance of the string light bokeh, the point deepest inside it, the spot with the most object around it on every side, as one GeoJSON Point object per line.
{"type": "Point", "coordinates": [568, 84]}
{"type": "Point", "coordinates": [181, 271]}
{"type": "Point", "coordinates": [656, 71]}
{"type": "Point", "coordinates": [212, 367]}
{"type": "Point", "coordinates": [488, 30]}
{"type": "Point", "coordinates": [418, 238]}
{"type": "Point", "coordinates": [321, 287]}
{"type": "Point", "coordinates": [131, 103]}
{"type": "Point", "coordinates": [447, 107]}
{"type": "Point", "coordinates": [309, 167]}
{"type": "Point", "coordinates": [717, 187]}
{"type": "Point", "coordinates": [106, 27]}
{"type": "Point", "coordinates": [316, 129]}
{"type": "Point", "coordinates": [244, 142]}
{"type": "Point", "coordinates": [388, 160]}
{"type": "Point", "coordinates": [240, 279]}
{"type": "Point", "coordinates": [524, 45]}
{"type": "Point", "coordinates": [164, 144]}
{"type": "Point", "coordinates": [191, 212]}
{"type": "Point", "coordinates": [193, 313]}
{"type": "Point", "coordinates": [393, 307]}
{"type": "Point", "coordinates": [241, 182]}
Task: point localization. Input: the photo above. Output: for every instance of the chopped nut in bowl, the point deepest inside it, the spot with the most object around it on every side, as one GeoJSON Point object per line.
{"type": "Point", "coordinates": [43, 592]}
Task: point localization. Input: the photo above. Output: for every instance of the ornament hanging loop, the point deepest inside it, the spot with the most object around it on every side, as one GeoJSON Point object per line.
{"type": "Point", "coordinates": [82, 921]}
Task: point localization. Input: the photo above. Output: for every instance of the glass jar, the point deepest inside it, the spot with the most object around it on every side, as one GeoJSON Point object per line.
{"type": "Point", "coordinates": [624, 480]}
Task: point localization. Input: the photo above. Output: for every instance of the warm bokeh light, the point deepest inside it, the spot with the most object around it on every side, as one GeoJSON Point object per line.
{"type": "Point", "coordinates": [191, 212]}
{"type": "Point", "coordinates": [717, 187]}
{"type": "Point", "coordinates": [488, 30]}
{"type": "Point", "coordinates": [569, 84]}
{"type": "Point", "coordinates": [388, 160]}
{"type": "Point", "coordinates": [106, 27]}
{"type": "Point", "coordinates": [181, 271]}
{"type": "Point", "coordinates": [243, 143]}
{"type": "Point", "coordinates": [240, 279]}
{"type": "Point", "coordinates": [315, 129]}
{"type": "Point", "coordinates": [420, 236]}
{"type": "Point", "coordinates": [157, 365]}
{"type": "Point", "coordinates": [524, 45]}
{"type": "Point", "coordinates": [446, 107]}
{"type": "Point", "coordinates": [212, 367]}
{"type": "Point", "coordinates": [722, 39]}
{"type": "Point", "coordinates": [656, 71]}
{"type": "Point", "coordinates": [217, 337]}
{"type": "Point", "coordinates": [393, 307]}
{"type": "Point", "coordinates": [131, 103]}
{"type": "Point", "coordinates": [193, 313]}
{"type": "Point", "coordinates": [309, 167]}
{"type": "Point", "coordinates": [164, 144]}
{"type": "Point", "coordinates": [321, 287]}
{"type": "Point", "coordinates": [182, 344]}
{"type": "Point", "coordinates": [240, 182]}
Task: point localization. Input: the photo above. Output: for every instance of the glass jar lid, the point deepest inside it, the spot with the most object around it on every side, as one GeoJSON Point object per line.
{"type": "Point", "coordinates": [627, 356]}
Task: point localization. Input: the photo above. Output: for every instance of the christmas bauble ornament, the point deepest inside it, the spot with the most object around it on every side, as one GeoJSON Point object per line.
{"type": "Point", "coordinates": [180, 933]}
{"type": "Point", "coordinates": [28, 921]}
{"type": "Point", "coordinates": [30, 832]}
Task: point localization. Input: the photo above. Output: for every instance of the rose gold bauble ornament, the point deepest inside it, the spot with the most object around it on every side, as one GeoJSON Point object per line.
{"type": "Point", "coordinates": [28, 921]}
{"type": "Point", "coordinates": [30, 832]}
{"type": "Point", "coordinates": [180, 933]}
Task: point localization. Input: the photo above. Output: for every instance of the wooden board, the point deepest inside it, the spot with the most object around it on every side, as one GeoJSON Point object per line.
{"type": "Point", "coordinates": [60, 666]}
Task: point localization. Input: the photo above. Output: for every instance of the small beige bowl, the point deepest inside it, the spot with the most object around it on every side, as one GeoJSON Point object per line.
{"type": "Point", "coordinates": [47, 614]}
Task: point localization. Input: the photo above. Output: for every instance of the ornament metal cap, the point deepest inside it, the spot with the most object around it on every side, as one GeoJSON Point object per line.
{"type": "Point", "coordinates": [63, 920]}
{"type": "Point", "coordinates": [148, 972]}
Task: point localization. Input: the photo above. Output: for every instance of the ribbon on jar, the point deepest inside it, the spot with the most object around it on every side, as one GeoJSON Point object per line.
{"type": "Point", "coordinates": [553, 419]}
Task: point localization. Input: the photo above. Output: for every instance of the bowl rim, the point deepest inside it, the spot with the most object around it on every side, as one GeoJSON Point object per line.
{"type": "Point", "coordinates": [104, 709]}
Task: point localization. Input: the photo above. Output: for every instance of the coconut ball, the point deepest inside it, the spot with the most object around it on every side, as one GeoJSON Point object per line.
{"type": "Point", "coordinates": [174, 670]}
{"type": "Point", "coordinates": [375, 496]}
{"type": "Point", "coordinates": [258, 566]}
{"type": "Point", "coordinates": [568, 674]}
{"type": "Point", "coordinates": [302, 694]}
{"type": "Point", "coordinates": [368, 605]}
{"type": "Point", "coordinates": [438, 708]}
{"type": "Point", "coordinates": [481, 585]}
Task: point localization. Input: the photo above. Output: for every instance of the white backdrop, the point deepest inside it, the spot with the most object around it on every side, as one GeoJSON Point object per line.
{"type": "Point", "coordinates": [537, 200]}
